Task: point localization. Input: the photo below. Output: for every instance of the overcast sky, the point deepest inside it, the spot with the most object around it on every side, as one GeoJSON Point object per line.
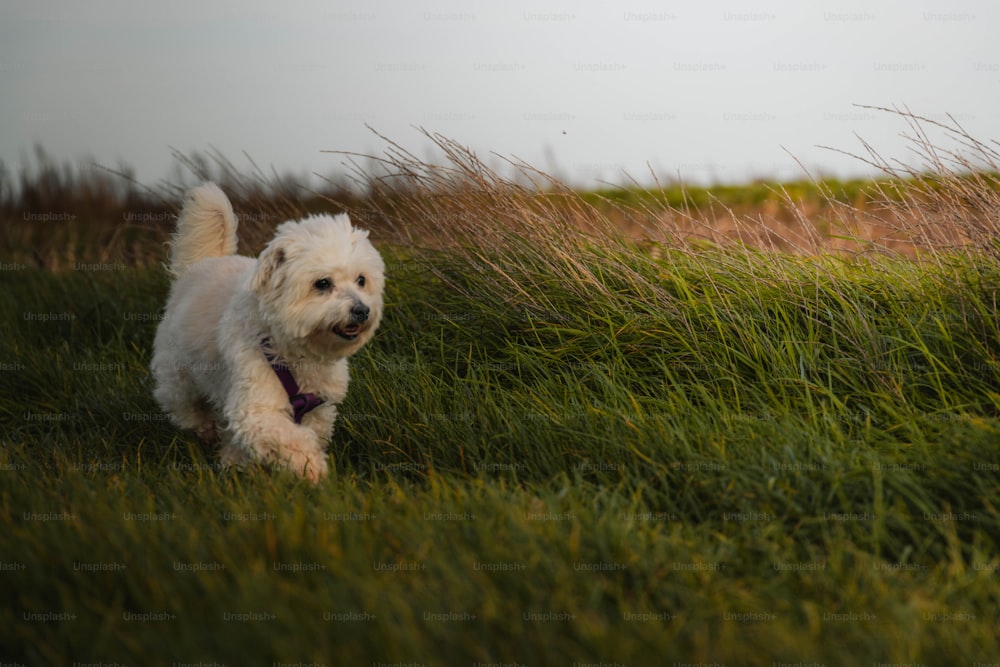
{"type": "Point", "coordinates": [709, 91]}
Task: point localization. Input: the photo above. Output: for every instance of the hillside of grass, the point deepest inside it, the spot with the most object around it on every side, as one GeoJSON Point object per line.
{"type": "Point", "coordinates": [745, 471]}
{"type": "Point", "coordinates": [561, 447]}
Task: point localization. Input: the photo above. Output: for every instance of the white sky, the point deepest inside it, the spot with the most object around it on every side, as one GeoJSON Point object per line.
{"type": "Point", "coordinates": [711, 91]}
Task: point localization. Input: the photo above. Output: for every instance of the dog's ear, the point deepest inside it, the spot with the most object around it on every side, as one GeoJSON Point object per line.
{"type": "Point", "coordinates": [358, 235]}
{"type": "Point", "coordinates": [268, 266]}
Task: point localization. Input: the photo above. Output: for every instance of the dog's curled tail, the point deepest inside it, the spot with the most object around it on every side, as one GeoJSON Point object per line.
{"type": "Point", "coordinates": [206, 228]}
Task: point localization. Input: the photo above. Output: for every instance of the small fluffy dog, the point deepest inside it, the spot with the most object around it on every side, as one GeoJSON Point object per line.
{"type": "Point", "coordinates": [252, 353]}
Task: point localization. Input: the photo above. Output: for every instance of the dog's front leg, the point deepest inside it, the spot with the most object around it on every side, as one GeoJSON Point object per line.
{"type": "Point", "coordinates": [270, 436]}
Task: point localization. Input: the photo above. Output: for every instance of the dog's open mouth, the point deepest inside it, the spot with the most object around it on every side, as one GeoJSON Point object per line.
{"type": "Point", "coordinates": [348, 331]}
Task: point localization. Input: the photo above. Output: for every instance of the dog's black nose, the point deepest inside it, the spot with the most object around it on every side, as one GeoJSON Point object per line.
{"type": "Point", "coordinates": [359, 312]}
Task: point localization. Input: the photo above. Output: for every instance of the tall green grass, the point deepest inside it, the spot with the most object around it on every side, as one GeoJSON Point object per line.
{"type": "Point", "coordinates": [561, 447]}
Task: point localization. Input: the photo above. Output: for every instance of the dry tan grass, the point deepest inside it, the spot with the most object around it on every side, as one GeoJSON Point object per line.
{"type": "Point", "coordinates": [948, 200]}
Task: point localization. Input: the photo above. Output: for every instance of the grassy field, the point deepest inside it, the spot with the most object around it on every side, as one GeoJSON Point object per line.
{"type": "Point", "coordinates": [560, 449]}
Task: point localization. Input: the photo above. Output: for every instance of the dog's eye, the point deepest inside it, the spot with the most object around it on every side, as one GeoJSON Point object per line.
{"type": "Point", "coordinates": [323, 284]}
{"type": "Point", "coordinates": [361, 281]}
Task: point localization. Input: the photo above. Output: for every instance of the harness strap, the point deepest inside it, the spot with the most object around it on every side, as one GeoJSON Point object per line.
{"type": "Point", "coordinates": [301, 403]}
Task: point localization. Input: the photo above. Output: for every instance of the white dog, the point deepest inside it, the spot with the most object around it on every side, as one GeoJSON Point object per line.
{"type": "Point", "coordinates": [253, 353]}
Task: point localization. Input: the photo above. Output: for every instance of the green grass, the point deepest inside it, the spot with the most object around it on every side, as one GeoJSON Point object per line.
{"type": "Point", "coordinates": [859, 193]}
{"type": "Point", "coordinates": [856, 192]}
{"type": "Point", "coordinates": [547, 456]}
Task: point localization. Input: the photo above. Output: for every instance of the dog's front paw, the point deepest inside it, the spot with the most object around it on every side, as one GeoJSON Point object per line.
{"type": "Point", "coordinates": [310, 465]}
{"type": "Point", "coordinates": [314, 469]}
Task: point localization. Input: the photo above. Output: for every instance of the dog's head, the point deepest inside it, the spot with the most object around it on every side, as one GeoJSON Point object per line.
{"type": "Point", "coordinates": [319, 282]}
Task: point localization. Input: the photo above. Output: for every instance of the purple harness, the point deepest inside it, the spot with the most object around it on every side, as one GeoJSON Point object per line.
{"type": "Point", "coordinates": [301, 403]}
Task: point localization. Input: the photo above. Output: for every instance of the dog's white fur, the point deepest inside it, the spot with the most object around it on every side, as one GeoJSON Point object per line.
{"type": "Point", "coordinates": [208, 362]}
